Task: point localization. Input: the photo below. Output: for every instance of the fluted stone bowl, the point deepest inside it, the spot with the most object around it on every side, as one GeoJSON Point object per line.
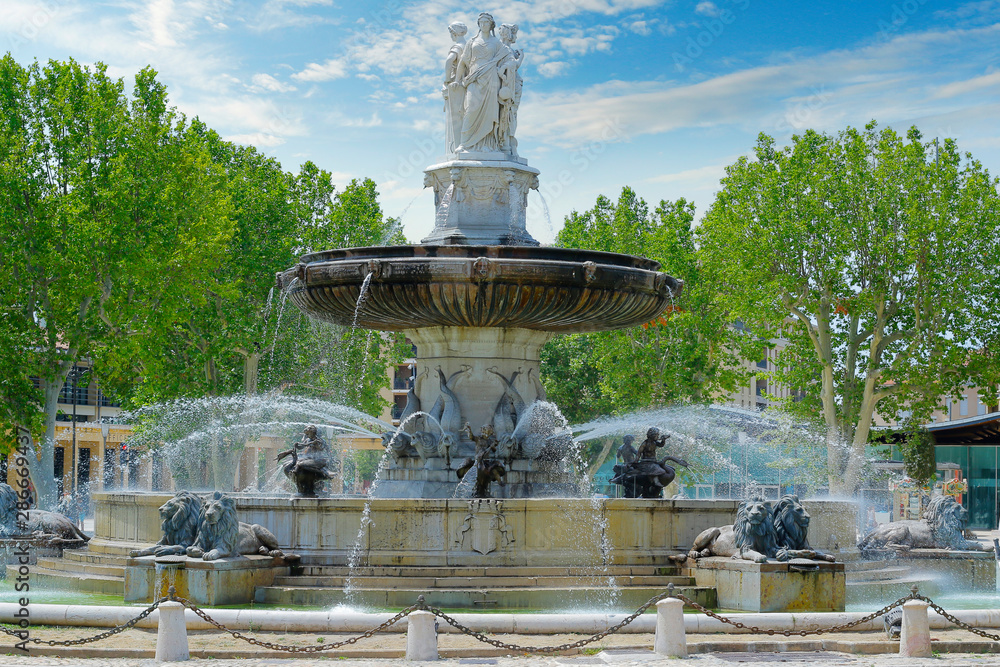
{"type": "Point", "coordinates": [547, 289]}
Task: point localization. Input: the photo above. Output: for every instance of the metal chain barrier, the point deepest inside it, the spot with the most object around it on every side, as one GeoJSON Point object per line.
{"type": "Point", "coordinates": [284, 647]}
{"type": "Point", "coordinates": [96, 638]}
{"type": "Point", "coordinates": [544, 649]}
{"type": "Point", "coordinates": [421, 605]}
{"type": "Point", "coordinates": [955, 621]}
{"type": "Point", "coordinates": [801, 633]}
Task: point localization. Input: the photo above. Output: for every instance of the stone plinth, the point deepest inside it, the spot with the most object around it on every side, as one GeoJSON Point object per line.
{"type": "Point", "coordinates": [211, 583]}
{"type": "Point", "coordinates": [528, 532]}
{"type": "Point", "coordinates": [481, 201]}
{"type": "Point", "coordinates": [17, 551]}
{"type": "Point", "coordinates": [947, 570]}
{"type": "Point", "coordinates": [773, 586]}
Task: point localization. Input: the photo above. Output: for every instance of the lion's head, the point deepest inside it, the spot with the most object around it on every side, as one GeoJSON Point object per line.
{"type": "Point", "coordinates": [754, 529]}
{"type": "Point", "coordinates": [8, 510]}
{"type": "Point", "coordinates": [791, 523]}
{"type": "Point", "coordinates": [947, 519]}
{"type": "Point", "coordinates": [179, 518]}
{"type": "Point", "coordinates": [218, 525]}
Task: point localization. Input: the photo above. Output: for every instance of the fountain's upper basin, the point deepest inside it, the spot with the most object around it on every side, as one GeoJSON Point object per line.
{"type": "Point", "coordinates": [543, 288]}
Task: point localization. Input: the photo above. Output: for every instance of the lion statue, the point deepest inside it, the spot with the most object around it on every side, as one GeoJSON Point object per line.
{"type": "Point", "coordinates": [942, 527]}
{"type": "Point", "coordinates": [791, 523]}
{"type": "Point", "coordinates": [751, 537]}
{"type": "Point", "coordinates": [53, 527]}
{"type": "Point", "coordinates": [179, 525]}
{"type": "Point", "coordinates": [221, 535]}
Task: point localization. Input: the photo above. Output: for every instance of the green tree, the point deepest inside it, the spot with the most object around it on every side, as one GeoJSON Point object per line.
{"type": "Point", "coordinates": [690, 353]}
{"type": "Point", "coordinates": [876, 257]}
{"type": "Point", "coordinates": [101, 197]}
{"type": "Point", "coordinates": [239, 336]}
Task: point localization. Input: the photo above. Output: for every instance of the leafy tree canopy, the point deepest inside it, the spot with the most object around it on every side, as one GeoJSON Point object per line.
{"type": "Point", "coordinates": [875, 257]}
{"type": "Point", "coordinates": [689, 354]}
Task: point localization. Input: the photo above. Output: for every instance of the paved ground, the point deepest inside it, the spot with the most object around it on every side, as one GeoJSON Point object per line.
{"type": "Point", "coordinates": [135, 647]}
{"type": "Point", "coordinates": [623, 659]}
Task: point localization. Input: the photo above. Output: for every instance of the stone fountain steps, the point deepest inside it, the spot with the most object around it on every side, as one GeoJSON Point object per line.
{"type": "Point", "coordinates": [884, 574]}
{"type": "Point", "coordinates": [85, 556]}
{"type": "Point", "coordinates": [582, 596]}
{"type": "Point", "coordinates": [512, 587]}
{"type": "Point", "coordinates": [487, 571]}
{"type": "Point", "coordinates": [83, 569]}
{"type": "Point", "coordinates": [64, 580]}
{"type": "Point", "coordinates": [480, 583]}
{"type": "Point", "coordinates": [880, 582]}
{"type": "Point", "coordinates": [887, 590]}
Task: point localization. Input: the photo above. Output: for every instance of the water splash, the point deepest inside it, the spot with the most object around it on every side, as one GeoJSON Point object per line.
{"type": "Point", "coordinates": [354, 560]}
{"type": "Point", "coordinates": [200, 441]}
{"type": "Point", "coordinates": [362, 295]}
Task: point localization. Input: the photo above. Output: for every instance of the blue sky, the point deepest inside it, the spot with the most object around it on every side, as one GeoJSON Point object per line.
{"type": "Point", "coordinates": [656, 95]}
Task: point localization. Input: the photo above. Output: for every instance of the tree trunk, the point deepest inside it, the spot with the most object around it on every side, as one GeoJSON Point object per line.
{"type": "Point", "coordinates": [251, 373]}
{"type": "Point", "coordinates": [599, 461]}
{"type": "Point", "coordinates": [41, 467]}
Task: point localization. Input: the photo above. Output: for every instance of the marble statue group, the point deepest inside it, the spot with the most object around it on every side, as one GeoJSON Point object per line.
{"type": "Point", "coordinates": [482, 88]}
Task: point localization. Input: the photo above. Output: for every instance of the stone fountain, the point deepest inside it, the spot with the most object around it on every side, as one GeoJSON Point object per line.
{"type": "Point", "coordinates": [478, 296]}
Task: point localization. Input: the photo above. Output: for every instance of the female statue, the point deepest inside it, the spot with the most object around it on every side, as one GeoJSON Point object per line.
{"type": "Point", "coordinates": [478, 70]}
{"type": "Point", "coordinates": [510, 88]}
{"type": "Point", "coordinates": [453, 91]}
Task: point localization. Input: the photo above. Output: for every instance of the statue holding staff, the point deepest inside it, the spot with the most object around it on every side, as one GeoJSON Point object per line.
{"type": "Point", "coordinates": [510, 88]}
{"type": "Point", "coordinates": [453, 90]}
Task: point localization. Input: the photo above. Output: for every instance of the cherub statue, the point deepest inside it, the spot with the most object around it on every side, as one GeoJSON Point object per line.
{"type": "Point", "coordinates": [640, 473]}
{"type": "Point", "coordinates": [488, 468]}
{"type": "Point", "coordinates": [310, 464]}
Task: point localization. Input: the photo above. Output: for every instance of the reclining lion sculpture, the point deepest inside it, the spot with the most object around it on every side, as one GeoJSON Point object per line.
{"type": "Point", "coordinates": [221, 535]}
{"type": "Point", "coordinates": [179, 525]}
{"type": "Point", "coordinates": [752, 537]}
{"type": "Point", "coordinates": [942, 527]}
{"type": "Point", "coordinates": [791, 525]}
{"type": "Point", "coordinates": [53, 527]}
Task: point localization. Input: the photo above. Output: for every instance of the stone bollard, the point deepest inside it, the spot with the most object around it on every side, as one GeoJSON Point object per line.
{"type": "Point", "coordinates": [670, 640]}
{"type": "Point", "coordinates": [915, 636]}
{"type": "Point", "coordinates": [171, 633]}
{"type": "Point", "coordinates": [421, 636]}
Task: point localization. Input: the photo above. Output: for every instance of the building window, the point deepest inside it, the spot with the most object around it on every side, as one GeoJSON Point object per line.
{"type": "Point", "coordinates": [963, 406]}
{"type": "Point", "coordinates": [980, 406]}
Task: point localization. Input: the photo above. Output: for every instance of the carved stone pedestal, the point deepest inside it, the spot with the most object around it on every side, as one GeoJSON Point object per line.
{"type": "Point", "coordinates": [481, 201]}
{"type": "Point", "coordinates": [216, 582]}
{"type": "Point", "coordinates": [773, 586]}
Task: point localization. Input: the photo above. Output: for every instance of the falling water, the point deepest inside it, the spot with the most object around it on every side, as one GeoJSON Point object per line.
{"type": "Point", "coordinates": [281, 311]}
{"type": "Point", "coordinates": [466, 485]}
{"type": "Point", "coordinates": [362, 295]}
{"type": "Point", "coordinates": [354, 560]}
{"type": "Point", "coordinates": [545, 212]}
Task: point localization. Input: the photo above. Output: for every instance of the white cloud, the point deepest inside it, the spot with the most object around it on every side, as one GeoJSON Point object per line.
{"type": "Point", "coordinates": [640, 28]}
{"type": "Point", "coordinates": [552, 69]}
{"type": "Point", "coordinates": [970, 85]}
{"type": "Point", "coordinates": [333, 68]}
{"type": "Point", "coordinates": [707, 8]}
{"type": "Point", "coordinates": [373, 121]}
{"type": "Point", "coordinates": [267, 82]}
{"type": "Point", "coordinates": [254, 120]}
{"type": "Point", "coordinates": [892, 81]}
{"type": "Point", "coordinates": [256, 139]}
{"type": "Point", "coordinates": [275, 14]}
{"type": "Point", "coordinates": [712, 172]}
